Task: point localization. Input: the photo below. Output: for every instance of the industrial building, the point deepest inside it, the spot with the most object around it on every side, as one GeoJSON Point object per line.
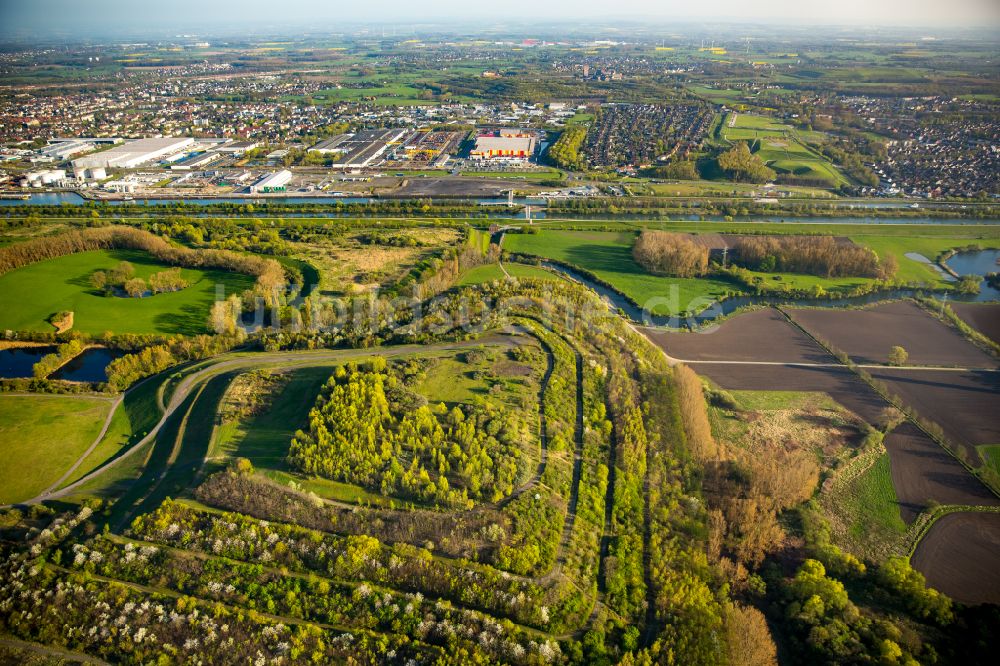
{"type": "Point", "coordinates": [509, 145]}
{"type": "Point", "coordinates": [63, 150]}
{"type": "Point", "coordinates": [53, 177]}
{"type": "Point", "coordinates": [134, 153]}
{"type": "Point", "coordinates": [274, 182]}
{"type": "Point", "coordinates": [237, 147]}
{"type": "Point", "coordinates": [334, 144]}
{"type": "Point", "coordinates": [94, 173]}
{"type": "Point", "coordinates": [196, 161]}
{"type": "Point", "coordinates": [363, 148]}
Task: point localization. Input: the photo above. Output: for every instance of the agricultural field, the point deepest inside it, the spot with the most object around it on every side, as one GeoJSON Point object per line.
{"type": "Point", "coordinates": [923, 474]}
{"type": "Point", "coordinates": [868, 335]}
{"type": "Point", "coordinates": [42, 437]}
{"type": "Point", "coordinates": [763, 335]}
{"type": "Point", "coordinates": [958, 556]}
{"type": "Point", "coordinates": [962, 403]}
{"type": "Point", "coordinates": [982, 317]}
{"type": "Point", "coordinates": [839, 383]}
{"type": "Point", "coordinates": [30, 295]}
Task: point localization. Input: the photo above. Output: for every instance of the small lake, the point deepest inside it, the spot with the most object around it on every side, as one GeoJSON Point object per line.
{"type": "Point", "coordinates": [17, 362]}
{"type": "Point", "coordinates": [90, 366]}
{"type": "Point", "coordinates": [979, 262]}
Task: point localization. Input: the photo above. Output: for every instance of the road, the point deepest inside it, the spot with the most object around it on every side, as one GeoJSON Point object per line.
{"type": "Point", "coordinates": [276, 359]}
{"type": "Point", "coordinates": [868, 366]}
{"type": "Point", "coordinates": [97, 440]}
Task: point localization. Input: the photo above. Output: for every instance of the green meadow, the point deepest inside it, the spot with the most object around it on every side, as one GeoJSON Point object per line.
{"type": "Point", "coordinates": [30, 295]}
{"type": "Point", "coordinates": [491, 272]}
{"type": "Point", "coordinates": [783, 148]}
{"type": "Point", "coordinates": [41, 437]}
{"type": "Point", "coordinates": [608, 255]}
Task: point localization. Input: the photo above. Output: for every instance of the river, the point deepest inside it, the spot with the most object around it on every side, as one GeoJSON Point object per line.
{"type": "Point", "coordinates": [721, 308]}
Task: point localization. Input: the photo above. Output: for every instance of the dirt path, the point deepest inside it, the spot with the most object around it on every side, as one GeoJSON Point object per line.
{"type": "Point", "coordinates": [63, 656]}
{"type": "Point", "coordinates": [543, 436]}
{"type": "Point", "coordinates": [871, 366]}
{"type": "Point", "coordinates": [97, 440]}
{"type": "Point", "coordinates": [282, 359]}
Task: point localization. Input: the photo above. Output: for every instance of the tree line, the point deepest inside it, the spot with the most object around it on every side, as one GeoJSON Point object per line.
{"type": "Point", "coordinates": [127, 370]}
{"type": "Point", "coordinates": [824, 256]}
{"type": "Point", "coordinates": [269, 273]}
{"type": "Point", "coordinates": [668, 253]}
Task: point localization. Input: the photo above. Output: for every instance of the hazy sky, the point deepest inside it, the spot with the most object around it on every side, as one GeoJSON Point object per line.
{"type": "Point", "coordinates": [45, 16]}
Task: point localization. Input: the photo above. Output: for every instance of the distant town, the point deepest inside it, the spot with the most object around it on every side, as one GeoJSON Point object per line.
{"type": "Point", "coordinates": [196, 118]}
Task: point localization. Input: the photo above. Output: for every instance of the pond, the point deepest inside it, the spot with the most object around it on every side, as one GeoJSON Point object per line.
{"type": "Point", "coordinates": [90, 366]}
{"type": "Point", "coordinates": [979, 262]}
{"type": "Point", "coordinates": [17, 362]}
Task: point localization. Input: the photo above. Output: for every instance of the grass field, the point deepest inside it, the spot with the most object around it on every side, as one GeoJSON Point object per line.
{"type": "Point", "coordinates": [264, 439]}
{"type": "Point", "coordinates": [896, 239]}
{"type": "Point", "coordinates": [991, 457]}
{"type": "Point", "coordinates": [133, 419]}
{"type": "Point", "coordinates": [345, 265]}
{"type": "Point", "coordinates": [29, 295]}
{"type": "Point", "coordinates": [491, 272]}
{"type": "Point", "coordinates": [399, 94]}
{"type": "Point", "coordinates": [707, 188]}
{"type": "Point", "coordinates": [609, 256]}
{"type": "Point", "coordinates": [864, 512]}
{"type": "Point", "coordinates": [783, 148]}
{"type": "Point", "coordinates": [580, 119]}
{"type": "Point", "coordinates": [41, 437]}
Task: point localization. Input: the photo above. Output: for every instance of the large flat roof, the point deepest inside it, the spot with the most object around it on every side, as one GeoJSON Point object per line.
{"type": "Point", "coordinates": [133, 152]}
{"type": "Point", "coordinates": [487, 143]}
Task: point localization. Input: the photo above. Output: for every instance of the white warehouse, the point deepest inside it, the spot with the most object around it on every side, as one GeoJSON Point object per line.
{"type": "Point", "coordinates": [134, 153]}
{"type": "Point", "coordinates": [274, 182]}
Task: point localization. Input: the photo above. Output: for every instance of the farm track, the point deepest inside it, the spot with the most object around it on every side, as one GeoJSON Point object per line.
{"type": "Point", "coordinates": [543, 436]}
{"type": "Point", "coordinates": [267, 359]}
{"type": "Point", "coordinates": [115, 403]}
{"type": "Point", "coordinates": [58, 656]}
{"type": "Point", "coordinates": [609, 506]}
